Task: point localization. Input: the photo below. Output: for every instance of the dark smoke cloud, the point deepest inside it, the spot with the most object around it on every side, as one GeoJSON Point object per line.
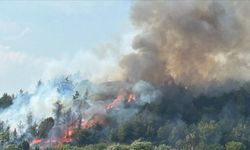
{"type": "Point", "coordinates": [194, 42]}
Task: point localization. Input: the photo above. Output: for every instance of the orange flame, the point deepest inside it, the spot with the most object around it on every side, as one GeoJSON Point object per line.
{"type": "Point", "coordinates": [131, 98]}
{"type": "Point", "coordinates": [97, 119]}
{"type": "Point", "coordinates": [37, 141]}
{"type": "Point", "coordinates": [115, 103]}
{"type": "Point", "coordinates": [67, 137]}
{"type": "Point", "coordinates": [119, 99]}
{"type": "Point", "coordinates": [89, 124]}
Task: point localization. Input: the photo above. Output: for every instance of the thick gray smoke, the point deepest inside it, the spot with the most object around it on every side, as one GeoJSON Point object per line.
{"type": "Point", "coordinates": [190, 42]}
{"type": "Point", "coordinates": [194, 42]}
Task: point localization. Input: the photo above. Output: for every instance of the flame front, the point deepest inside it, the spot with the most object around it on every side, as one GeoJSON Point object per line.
{"type": "Point", "coordinates": [96, 119]}
{"type": "Point", "coordinates": [37, 141]}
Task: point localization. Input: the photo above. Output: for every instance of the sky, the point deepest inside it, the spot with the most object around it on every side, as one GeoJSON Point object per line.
{"type": "Point", "coordinates": [44, 39]}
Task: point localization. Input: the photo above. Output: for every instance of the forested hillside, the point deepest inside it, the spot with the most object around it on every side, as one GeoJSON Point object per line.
{"type": "Point", "coordinates": [178, 120]}
{"type": "Point", "coordinates": [175, 75]}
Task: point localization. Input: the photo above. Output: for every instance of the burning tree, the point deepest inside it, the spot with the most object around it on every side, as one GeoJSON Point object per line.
{"type": "Point", "coordinates": [45, 126]}
{"type": "Point", "coordinates": [58, 106]}
{"type": "Point", "coordinates": [80, 104]}
{"type": "Point", "coordinates": [69, 124]}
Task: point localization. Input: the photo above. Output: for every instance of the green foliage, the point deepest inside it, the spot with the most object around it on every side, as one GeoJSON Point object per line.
{"type": "Point", "coordinates": [177, 119]}
{"type": "Point", "coordinates": [183, 121]}
{"type": "Point", "coordinates": [4, 136]}
{"type": "Point", "coordinates": [209, 147]}
{"type": "Point", "coordinates": [171, 132]}
{"type": "Point", "coordinates": [33, 130]}
{"type": "Point", "coordinates": [6, 100]}
{"type": "Point", "coordinates": [136, 145]}
{"type": "Point", "coordinates": [58, 106]}
{"type": "Point", "coordinates": [12, 147]}
{"type": "Point", "coordinates": [141, 145]}
{"type": "Point", "coordinates": [163, 147]}
{"type": "Point", "coordinates": [4, 133]}
{"type": "Point", "coordinates": [25, 145]}
{"type": "Point", "coordinates": [241, 132]}
{"type": "Point", "coordinates": [100, 146]}
{"type": "Point", "coordinates": [45, 126]}
{"type": "Point", "coordinates": [209, 132]}
{"type": "Point", "coordinates": [118, 147]}
{"type": "Point", "coordinates": [66, 147]}
{"type": "Point", "coordinates": [85, 137]}
{"type": "Point", "coordinates": [233, 145]}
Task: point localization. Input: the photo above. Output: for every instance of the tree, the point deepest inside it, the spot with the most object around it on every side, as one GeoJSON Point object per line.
{"type": "Point", "coordinates": [233, 145]}
{"type": "Point", "coordinates": [209, 132]}
{"type": "Point", "coordinates": [45, 126]}
{"type": "Point", "coordinates": [20, 127]}
{"type": "Point", "coordinates": [29, 119]}
{"type": "Point", "coordinates": [79, 105]}
{"type": "Point", "coordinates": [76, 96]}
{"type": "Point", "coordinates": [39, 83]}
{"type": "Point", "coordinates": [25, 145]}
{"type": "Point", "coordinates": [163, 147]}
{"type": "Point", "coordinates": [118, 147]}
{"type": "Point", "coordinates": [191, 139]}
{"type": "Point", "coordinates": [14, 135]}
{"type": "Point", "coordinates": [2, 126]}
{"type": "Point", "coordinates": [85, 137]}
{"type": "Point", "coordinates": [21, 92]}
{"type": "Point", "coordinates": [6, 100]}
{"type": "Point", "coordinates": [12, 147]}
{"type": "Point", "coordinates": [68, 120]}
{"type": "Point", "coordinates": [141, 145]}
{"type": "Point", "coordinates": [172, 132]}
{"type": "Point", "coordinates": [29, 122]}
{"type": "Point", "coordinates": [241, 132]}
{"type": "Point", "coordinates": [5, 135]}
{"type": "Point", "coordinates": [58, 106]}
{"type": "Point", "coordinates": [34, 130]}
{"type": "Point", "coordinates": [209, 147]}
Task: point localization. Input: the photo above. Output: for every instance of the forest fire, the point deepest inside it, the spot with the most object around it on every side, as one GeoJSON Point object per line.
{"type": "Point", "coordinates": [55, 142]}
{"type": "Point", "coordinates": [96, 119]}
{"type": "Point", "coordinates": [178, 76]}
{"type": "Point", "coordinates": [67, 138]}
{"type": "Point", "coordinates": [37, 141]}
{"type": "Point", "coordinates": [131, 98]}
{"type": "Point", "coordinates": [119, 99]}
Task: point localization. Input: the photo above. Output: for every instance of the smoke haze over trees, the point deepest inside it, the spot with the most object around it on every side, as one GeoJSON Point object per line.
{"type": "Point", "coordinates": [185, 86]}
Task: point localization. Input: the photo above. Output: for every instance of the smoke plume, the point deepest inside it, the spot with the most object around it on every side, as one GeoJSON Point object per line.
{"type": "Point", "coordinates": [187, 42]}
{"type": "Point", "coordinates": [194, 42]}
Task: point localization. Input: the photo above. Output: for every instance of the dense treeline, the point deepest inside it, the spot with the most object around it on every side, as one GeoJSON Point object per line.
{"type": "Point", "coordinates": [145, 145]}
{"type": "Point", "coordinates": [183, 121]}
{"type": "Point", "coordinates": [177, 120]}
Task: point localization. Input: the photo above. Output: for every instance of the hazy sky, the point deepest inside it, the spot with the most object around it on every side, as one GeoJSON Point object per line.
{"type": "Point", "coordinates": [35, 36]}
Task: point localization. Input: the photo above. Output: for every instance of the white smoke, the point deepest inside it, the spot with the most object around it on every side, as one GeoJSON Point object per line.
{"type": "Point", "coordinates": [40, 103]}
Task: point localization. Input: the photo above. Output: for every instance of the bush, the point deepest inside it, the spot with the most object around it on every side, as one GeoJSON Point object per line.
{"type": "Point", "coordinates": [209, 147]}
{"type": "Point", "coordinates": [6, 100]}
{"type": "Point", "coordinates": [233, 145]}
{"type": "Point", "coordinates": [163, 147]}
{"type": "Point", "coordinates": [118, 147]}
{"type": "Point", "coordinates": [141, 145]}
{"type": "Point", "coordinates": [12, 147]}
